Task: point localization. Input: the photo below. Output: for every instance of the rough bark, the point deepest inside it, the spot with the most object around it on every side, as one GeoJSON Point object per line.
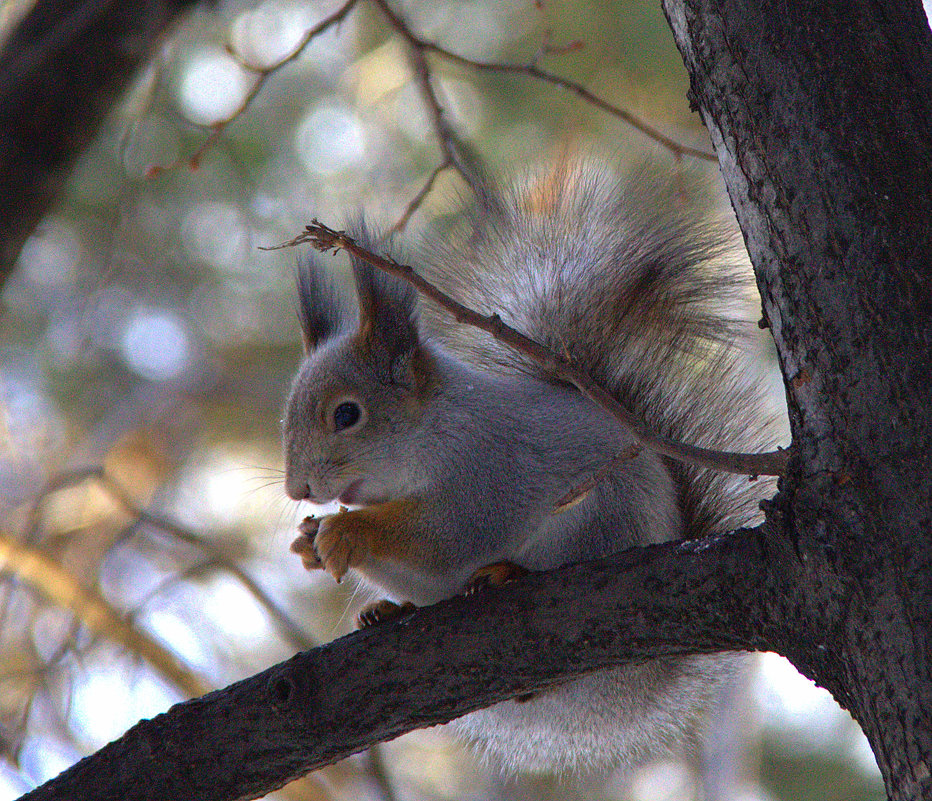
{"type": "Point", "coordinates": [61, 70]}
{"type": "Point", "coordinates": [439, 663]}
{"type": "Point", "coordinates": [821, 114]}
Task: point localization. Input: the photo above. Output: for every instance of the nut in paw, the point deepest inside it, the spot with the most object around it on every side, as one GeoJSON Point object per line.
{"type": "Point", "coordinates": [304, 544]}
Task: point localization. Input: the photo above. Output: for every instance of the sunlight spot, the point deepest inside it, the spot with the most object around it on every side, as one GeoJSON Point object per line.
{"type": "Point", "coordinates": [109, 701]}
{"type": "Point", "coordinates": [264, 35]}
{"type": "Point", "coordinates": [330, 139]}
{"type": "Point", "coordinates": [180, 636]}
{"type": "Point", "coordinates": [234, 610]}
{"type": "Point", "coordinates": [212, 88]}
{"type": "Point", "coordinates": [50, 256]}
{"type": "Point", "coordinates": [219, 234]}
{"type": "Point", "coordinates": [155, 344]}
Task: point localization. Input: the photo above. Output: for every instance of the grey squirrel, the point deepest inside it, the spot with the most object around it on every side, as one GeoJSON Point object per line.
{"type": "Point", "coordinates": [453, 450]}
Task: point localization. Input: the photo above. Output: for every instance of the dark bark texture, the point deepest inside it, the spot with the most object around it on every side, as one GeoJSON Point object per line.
{"type": "Point", "coordinates": [437, 664]}
{"type": "Point", "coordinates": [821, 112]}
{"type": "Point", "coordinates": [61, 70]}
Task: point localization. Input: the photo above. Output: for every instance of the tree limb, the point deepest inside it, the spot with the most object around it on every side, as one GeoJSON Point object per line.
{"type": "Point", "coordinates": [60, 71]}
{"type": "Point", "coordinates": [439, 663]}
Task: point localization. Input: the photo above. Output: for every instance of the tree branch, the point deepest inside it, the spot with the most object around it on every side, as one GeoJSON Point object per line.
{"type": "Point", "coordinates": [262, 74]}
{"type": "Point", "coordinates": [49, 579]}
{"type": "Point", "coordinates": [756, 464]}
{"type": "Point", "coordinates": [449, 142]}
{"type": "Point", "coordinates": [454, 152]}
{"type": "Point", "coordinates": [532, 70]}
{"type": "Point", "coordinates": [436, 664]}
{"type": "Point", "coordinates": [60, 71]}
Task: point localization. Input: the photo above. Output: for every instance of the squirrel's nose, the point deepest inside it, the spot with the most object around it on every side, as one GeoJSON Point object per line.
{"type": "Point", "coordinates": [296, 489]}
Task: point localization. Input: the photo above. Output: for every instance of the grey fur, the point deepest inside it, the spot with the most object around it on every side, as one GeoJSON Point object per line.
{"type": "Point", "coordinates": [628, 277]}
{"type": "Point", "coordinates": [321, 312]}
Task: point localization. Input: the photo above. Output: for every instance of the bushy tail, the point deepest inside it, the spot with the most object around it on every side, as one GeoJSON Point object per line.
{"type": "Point", "coordinates": [633, 279]}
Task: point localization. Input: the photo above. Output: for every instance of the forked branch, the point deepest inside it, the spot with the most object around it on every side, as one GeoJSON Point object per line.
{"type": "Point", "coordinates": [452, 149]}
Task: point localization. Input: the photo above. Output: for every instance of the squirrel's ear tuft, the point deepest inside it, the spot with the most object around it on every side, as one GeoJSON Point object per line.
{"type": "Point", "coordinates": [387, 310]}
{"type": "Point", "coordinates": [321, 310]}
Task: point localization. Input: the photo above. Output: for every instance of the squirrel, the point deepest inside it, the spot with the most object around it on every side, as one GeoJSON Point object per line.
{"type": "Point", "coordinates": [453, 449]}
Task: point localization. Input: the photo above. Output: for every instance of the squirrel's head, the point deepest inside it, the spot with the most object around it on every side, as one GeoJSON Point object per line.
{"type": "Point", "coordinates": [357, 400]}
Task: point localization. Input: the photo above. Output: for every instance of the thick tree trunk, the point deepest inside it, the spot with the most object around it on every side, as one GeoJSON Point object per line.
{"type": "Point", "coordinates": [821, 113]}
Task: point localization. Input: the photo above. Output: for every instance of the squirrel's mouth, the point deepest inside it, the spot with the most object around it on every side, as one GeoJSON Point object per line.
{"type": "Point", "coordinates": [351, 495]}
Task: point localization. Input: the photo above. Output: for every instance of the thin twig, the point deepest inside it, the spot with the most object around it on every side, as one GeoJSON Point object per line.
{"type": "Point", "coordinates": [752, 464]}
{"type": "Point", "coordinates": [579, 492]}
{"type": "Point", "coordinates": [379, 773]}
{"type": "Point", "coordinates": [262, 75]}
{"type": "Point", "coordinates": [449, 142]}
{"type": "Point", "coordinates": [416, 201]}
{"type": "Point", "coordinates": [534, 71]}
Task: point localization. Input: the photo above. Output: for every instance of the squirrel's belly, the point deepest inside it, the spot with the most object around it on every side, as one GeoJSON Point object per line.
{"type": "Point", "coordinates": [615, 718]}
{"type": "Point", "coordinates": [401, 583]}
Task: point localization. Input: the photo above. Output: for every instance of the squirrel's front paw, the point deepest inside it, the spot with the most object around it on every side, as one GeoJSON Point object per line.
{"type": "Point", "coordinates": [328, 543]}
{"type": "Point", "coordinates": [304, 544]}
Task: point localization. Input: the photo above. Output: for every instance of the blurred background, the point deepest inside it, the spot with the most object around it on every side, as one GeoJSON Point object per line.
{"type": "Point", "coordinates": [146, 345]}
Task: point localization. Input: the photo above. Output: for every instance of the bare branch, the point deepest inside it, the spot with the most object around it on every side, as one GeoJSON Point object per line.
{"type": "Point", "coordinates": [578, 493]}
{"type": "Point", "coordinates": [532, 70]}
{"type": "Point", "coordinates": [262, 75]}
{"type": "Point", "coordinates": [61, 68]}
{"type": "Point", "coordinates": [418, 199]}
{"type": "Point", "coordinates": [61, 588]}
{"type": "Point", "coordinates": [751, 464]}
{"type": "Point", "coordinates": [439, 663]}
{"type": "Point", "coordinates": [449, 142]}
{"type": "Point", "coordinates": [454, 153]}
{"type": "Point", "coordinates": [418, 46]}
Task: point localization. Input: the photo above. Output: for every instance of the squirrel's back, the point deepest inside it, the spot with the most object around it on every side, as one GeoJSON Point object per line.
{"type": "Point", "coordinates": [640, 283]}
{"type": "Point", "coordinates": [633, 278]}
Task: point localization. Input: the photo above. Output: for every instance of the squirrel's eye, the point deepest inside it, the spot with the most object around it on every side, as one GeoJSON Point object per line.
{"type": "Point", "coordinates": [345, 415]}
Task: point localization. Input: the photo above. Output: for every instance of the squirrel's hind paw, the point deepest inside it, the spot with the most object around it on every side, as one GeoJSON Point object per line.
{"type": "Point", "coordinates": [493, 575]}
{"type": "Point", "coordinates": [381, 611]}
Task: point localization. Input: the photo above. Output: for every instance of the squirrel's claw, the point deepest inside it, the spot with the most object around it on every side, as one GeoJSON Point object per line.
{"type": "Point", "coordinates": [381, 611]}
{"type": "Point", "coordinates": [493, 575]}
{"type": "Point", "coordinates": [304, 544]}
